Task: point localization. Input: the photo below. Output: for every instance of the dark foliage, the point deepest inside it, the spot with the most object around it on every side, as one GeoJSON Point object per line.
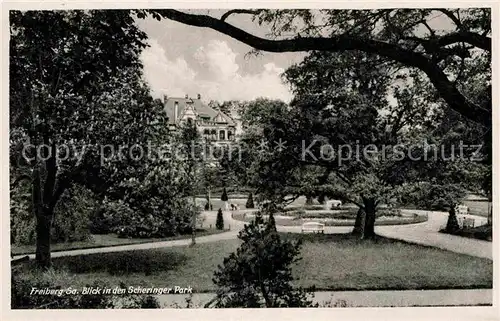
{"type": "Point", "coordinates": [259, 273]}
{"type": "Point", "coordinates": [219, 223]}
{"type": "Point", "coordinates": [224, 197]}
{"type": "Point", "coordinates": [250, 203]}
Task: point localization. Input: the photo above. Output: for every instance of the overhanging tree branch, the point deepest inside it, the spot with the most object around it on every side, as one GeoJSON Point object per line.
{"type": "Point", "coordinates": [239, 11]}
{"type": "Point", "coordinates": [455, 99]}
{"type": "Point", "coordinates": [472, 38]}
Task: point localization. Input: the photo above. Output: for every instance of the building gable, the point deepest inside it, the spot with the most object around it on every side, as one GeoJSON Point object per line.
{"type": "Point", "coordinates": [182, 108]}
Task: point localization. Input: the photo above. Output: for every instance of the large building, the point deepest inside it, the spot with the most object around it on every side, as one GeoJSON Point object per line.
{"type": "Point", "coordinates": [214, 125]}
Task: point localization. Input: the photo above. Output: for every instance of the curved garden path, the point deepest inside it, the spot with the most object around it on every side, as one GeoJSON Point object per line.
{"type": "Point", "coordinates": [426, 233]}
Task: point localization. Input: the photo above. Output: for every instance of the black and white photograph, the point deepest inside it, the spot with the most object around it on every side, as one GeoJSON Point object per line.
{"type": "Point", "coordinates": [188, 158]}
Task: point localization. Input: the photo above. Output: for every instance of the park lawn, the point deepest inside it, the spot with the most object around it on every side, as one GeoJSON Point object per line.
{"type": "Point", "coordinates": [386, 264]}
{"type": "Point", "coordinates": [105, 240]}
{"type": "Point", "coordinates": [329, 262]}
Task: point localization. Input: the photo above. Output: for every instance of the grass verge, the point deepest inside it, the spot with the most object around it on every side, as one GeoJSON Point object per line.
{"type": "Point", "coordinates": [329, 262]}
{"type": "Point", "coordinates": [106, 240]}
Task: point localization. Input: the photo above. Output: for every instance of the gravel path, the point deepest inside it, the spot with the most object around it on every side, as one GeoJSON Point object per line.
{"type": "Point", "coordinates": [427, 233]}
{"type": "Point", "coordinates": [404, 298]}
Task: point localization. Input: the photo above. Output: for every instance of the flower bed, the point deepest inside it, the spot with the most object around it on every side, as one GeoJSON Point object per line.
{"type": "Point", "coordinates": [483, 232]}
{"type": "Point", "coordinates": [341, 214]}
{"type": "Point", "coordinates": [318, 208]}
{"type": "Point", "coordinates": [329, 219]}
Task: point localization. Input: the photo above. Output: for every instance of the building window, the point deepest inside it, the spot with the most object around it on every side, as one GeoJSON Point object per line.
{"type": "Point", "coordinates": [213, 133]}
{"type": "Point", "coordinates": [190, 121]}
{"type": "Point", "coordinates": [222, 135]}
{"type": "Point", "coordinates": [230, 135]}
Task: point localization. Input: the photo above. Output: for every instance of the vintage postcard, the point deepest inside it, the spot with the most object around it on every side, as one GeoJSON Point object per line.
{"type": "Point", "coordinates": [225, 159]}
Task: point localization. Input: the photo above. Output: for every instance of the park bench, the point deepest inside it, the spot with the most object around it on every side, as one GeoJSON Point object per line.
{"type": "Point", "coordinates": [468, 223]}
{"type": "Point", "coordinates": [313, 227]}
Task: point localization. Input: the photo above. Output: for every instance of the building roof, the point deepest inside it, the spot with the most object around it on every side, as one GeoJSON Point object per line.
{"type": "Point", "coordinates": [202, 110]}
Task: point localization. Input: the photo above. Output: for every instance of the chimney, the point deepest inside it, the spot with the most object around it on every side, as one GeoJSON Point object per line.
{"type": "Point", "coordinates": [165, 98]}
{"type": "Point", "coordinates": [176, 112]}
{"type": "Point", "coordinates": [187, 96]}
{"type": "Point", "coordinates": [199, 96]}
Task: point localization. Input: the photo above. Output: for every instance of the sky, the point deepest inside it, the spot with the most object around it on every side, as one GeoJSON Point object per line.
{"type": "Point", "coordinates": [189, 60]}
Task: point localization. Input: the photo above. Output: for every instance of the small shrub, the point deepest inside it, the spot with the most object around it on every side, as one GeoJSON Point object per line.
{"type": "Point", "coordinates": [314, 207]}
{"type": "Point", "coordinates": [260, 269]}
{"type": "Point", "coordinates": [452, 223]}
{"type": "Point", "coordinates": [22, 221]}
{"type": "Point", "coordinates": [72, 217]}
{"type": "Point", "coordinates": [250, 203]}
{"type": "Point", "coordinates": [484, 232]}
{"type": "Point", "coordinates": [110, 215]}
{"type": "Point", "coordinates": [271, 221]}
{"type": "Point", "coordinates": [128, 223]}
{"type": "Point", "coordinates": [224, 197]}
{"type": "Point", "coordinates": [389, 212]}
{"type": "Point", "coordinates": [259, 218]}
{"type": "Point", "coordinates": [334, 304]}
{"type": "Point", "coordinates": [219, 223]}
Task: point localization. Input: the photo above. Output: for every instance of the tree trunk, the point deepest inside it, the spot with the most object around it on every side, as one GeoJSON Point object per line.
{"type": "Point", "coordinates": [359, 223]}
{"type": "Point", "coordinates": [43, 216]}
{"type": "Point", "coordinates": [490, 210]}
{"type": "Point", "coordinates": [43, 230]}
{"type": "Point", "coordinates": [369, 223]}
{"type": "Point", "coordinates": [193, 222]}
{"type": "Point", "coordinates": [452, 223]}
{"type": "Point", "coordinates": [265, 295]}
{"type": "Point", "coordinates": [43, 222]}
{"type": "Point", "coordinates": [490, 214]}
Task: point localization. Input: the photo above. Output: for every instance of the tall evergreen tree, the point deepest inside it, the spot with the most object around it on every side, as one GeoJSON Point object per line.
{"type": "Point", "coordinates": [271, 223]}
{"type": "Point", "coordinates": [219, 223]}
{"type": "Point", "coordinates": [224, 197]}
{"type": "Point", "coordinates": [250, 203]}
